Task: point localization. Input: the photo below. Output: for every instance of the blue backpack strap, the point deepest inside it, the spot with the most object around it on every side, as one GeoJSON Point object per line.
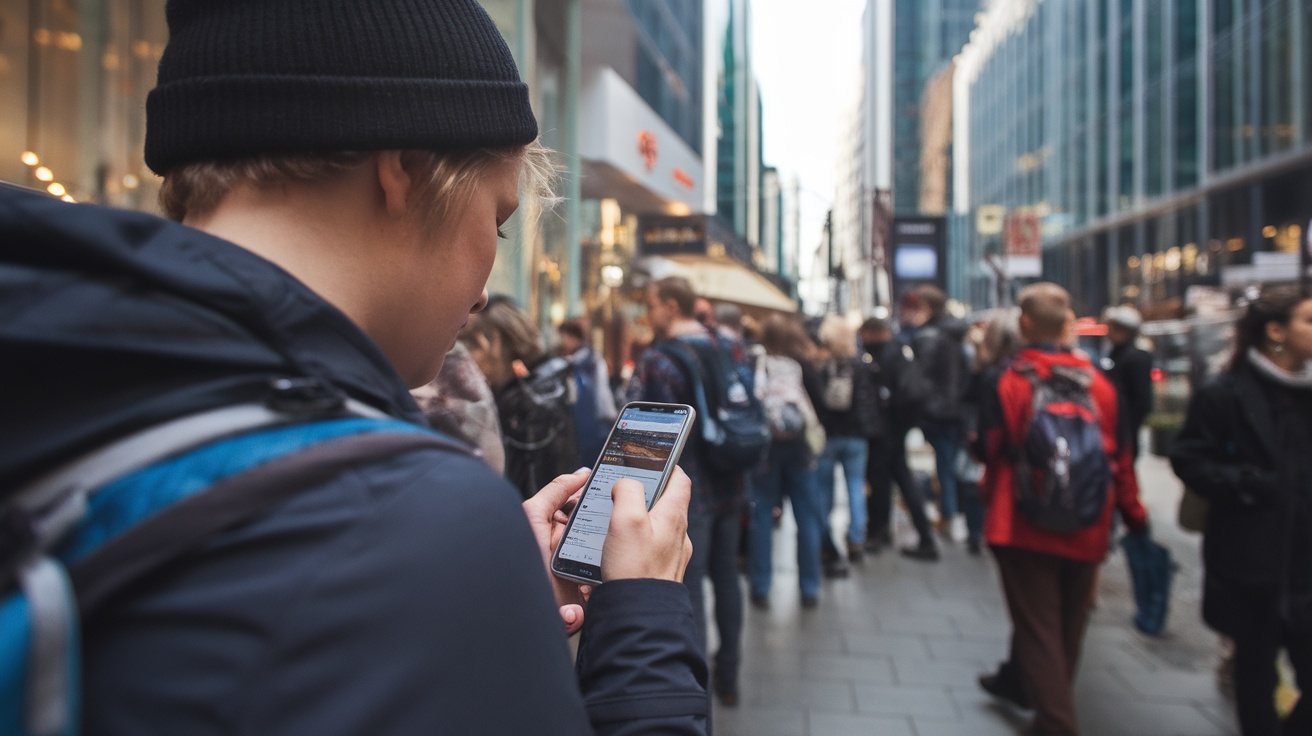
{"type": "Point", "coordinates": [146, 519]}
{"type": "Point", "coordinates": [123, 511]}
{"type": "Point", "coordinates": [684, 357]}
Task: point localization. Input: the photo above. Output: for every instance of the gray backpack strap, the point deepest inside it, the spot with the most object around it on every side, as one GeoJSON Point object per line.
{"type": "Point", "coordinates": [55, 598]}
{"type": "Point", "coordinates": [57, 501]}
{"type": "Point", "coordinates": [187, 526]}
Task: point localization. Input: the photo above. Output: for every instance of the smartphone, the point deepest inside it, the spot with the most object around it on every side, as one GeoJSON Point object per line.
{"type": "Point", "coordinates": [644, 445]}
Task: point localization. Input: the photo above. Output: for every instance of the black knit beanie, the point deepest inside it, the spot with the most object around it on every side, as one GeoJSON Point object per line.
{"type": "Point", "coordinates": [246, 77]}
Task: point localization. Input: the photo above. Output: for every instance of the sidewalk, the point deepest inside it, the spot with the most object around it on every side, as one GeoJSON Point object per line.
{"type": "Point", "coordinates": [894, 650]}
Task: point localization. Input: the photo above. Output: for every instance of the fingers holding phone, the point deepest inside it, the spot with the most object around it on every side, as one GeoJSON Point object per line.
{"type": "Point", "coordinates": [648, 544]}
{"type": "Point", "coordinates": [637, 467]}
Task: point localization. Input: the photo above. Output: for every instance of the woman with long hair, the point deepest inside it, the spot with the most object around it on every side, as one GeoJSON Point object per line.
{"type": "Point", "coordinates": [531, 390]}
{"type": "Point", "coordinates": [847, 410]}
{"type": "Point", "coordinates": [790, 464]}
{"type": "Point", "coordinates": [1245, 448]}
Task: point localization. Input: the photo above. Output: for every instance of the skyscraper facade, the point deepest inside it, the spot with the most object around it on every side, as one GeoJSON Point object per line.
{"type": "Point", "coordinates": [926, 35]}
{"type": "Point", "coordinates": [1158, 144]}
{"type": "Point", "coordinates": [739, 143]}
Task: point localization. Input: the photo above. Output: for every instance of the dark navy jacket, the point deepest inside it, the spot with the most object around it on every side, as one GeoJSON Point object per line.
{"type": "Point", "coordinates": [403, 597]}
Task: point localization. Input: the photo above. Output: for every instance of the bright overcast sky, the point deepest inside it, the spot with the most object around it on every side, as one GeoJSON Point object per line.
{"type": "Point", "coordinates": [807, 55]}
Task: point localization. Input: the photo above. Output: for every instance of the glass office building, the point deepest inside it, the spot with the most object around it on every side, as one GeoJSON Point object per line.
{"type": "Point", "coordinates": [1162, 144]}
{"type": "Point", "coordinates": [926, 35]}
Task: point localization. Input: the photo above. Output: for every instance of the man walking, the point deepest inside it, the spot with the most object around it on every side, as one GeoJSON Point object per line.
{"type": "Point", "coordinates": [1130, 371]}
{"type": "Point", "coordinates": [940, 355]}
{"type": "Point", "coordinates": [715, 514]}
{"type": "Point", "coordinates": [594, 404]}
{"type": "Point", "coordinates": [887, 361]}
{"type": "Point", "coordinates": [1048, 569]}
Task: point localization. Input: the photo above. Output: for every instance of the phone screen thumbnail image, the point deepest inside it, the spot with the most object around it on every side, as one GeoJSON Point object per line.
{"type": "Point", "coordinates": [639, 448]}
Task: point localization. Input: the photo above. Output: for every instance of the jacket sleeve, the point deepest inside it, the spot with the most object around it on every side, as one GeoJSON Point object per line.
{"type": "Point", "coordinates": [1139, 389]}
{"type": "Point", "coordinates": [814, 383]}
{"type": "Point", "coordinates": [606, 408]}
{"type": "Point", "coordinates": [990, 428]}
{"type": "Point", "coordinates": [638, 662]}
{"type": "Point", "coordinates": [1203, 456]}
{"type": "Point", "coordinates": [1125, 485]}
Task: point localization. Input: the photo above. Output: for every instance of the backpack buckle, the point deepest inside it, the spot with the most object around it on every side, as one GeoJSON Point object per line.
{"type": "Point", "coordinates": [302, 396]}
{"type": "Point", "coordinates": [17, 535]}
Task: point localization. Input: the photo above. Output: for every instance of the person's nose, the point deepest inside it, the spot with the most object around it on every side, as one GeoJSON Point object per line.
{"type": "Point", "coordinates": [481, 304]}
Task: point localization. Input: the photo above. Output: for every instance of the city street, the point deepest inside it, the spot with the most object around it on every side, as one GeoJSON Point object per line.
{"type": "Point", "coordinates": [895, 649]}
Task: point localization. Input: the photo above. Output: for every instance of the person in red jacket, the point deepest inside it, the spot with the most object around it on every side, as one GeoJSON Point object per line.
{"type": "Point", "coordinates": [1048, 578]}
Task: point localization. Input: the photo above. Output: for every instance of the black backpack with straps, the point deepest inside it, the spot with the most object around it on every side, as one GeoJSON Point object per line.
{"type": "Point", "coordinates": [734, 427]}
{"type": "Point", "coordinates": [1062, 472]}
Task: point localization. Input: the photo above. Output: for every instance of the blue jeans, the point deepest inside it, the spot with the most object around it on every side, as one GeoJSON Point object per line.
{"type": "Point", "coordinates": [714, 539]}
{"type": "Point", "coordinates": [945, 438]}
{"type": "Point", "coordinates": [851, 453]}
{"type": "Point", "coordinates": [787, 472]}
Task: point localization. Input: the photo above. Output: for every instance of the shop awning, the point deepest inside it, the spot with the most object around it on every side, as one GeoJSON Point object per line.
{"type": "Point", "coordinates": [722, 280]}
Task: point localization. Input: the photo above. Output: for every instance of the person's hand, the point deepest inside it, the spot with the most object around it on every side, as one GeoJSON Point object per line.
{"type": "Point", "coordinates": [648, 544]}
{"type": "Point", "coordinates": [1138, 527]}
{"type": "Point", "coordinates": [547, 513]}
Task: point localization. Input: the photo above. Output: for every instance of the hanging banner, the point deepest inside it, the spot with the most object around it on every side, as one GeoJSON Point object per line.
{"type": "Point", "coordinates": [1022, 240]}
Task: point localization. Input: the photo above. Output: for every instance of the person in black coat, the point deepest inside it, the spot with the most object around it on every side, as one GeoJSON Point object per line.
{"type": "Point", "coordinates": [887, 361]}
{"type": "Point", "coordinates": [1130, 370]}
{"type": "Point", "coordinates": [1244, 448]}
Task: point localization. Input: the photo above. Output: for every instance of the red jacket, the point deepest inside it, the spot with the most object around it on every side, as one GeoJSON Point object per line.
{"type": "Point", "coordinates": [1004, 418]}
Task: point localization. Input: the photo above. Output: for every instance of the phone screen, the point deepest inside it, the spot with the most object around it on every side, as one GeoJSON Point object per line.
{"type": "Point", "coordinates": [643, 445]}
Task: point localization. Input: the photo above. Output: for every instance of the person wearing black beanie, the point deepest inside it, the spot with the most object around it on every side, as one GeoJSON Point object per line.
{"type": "Point", "coordinates": [339, 171]}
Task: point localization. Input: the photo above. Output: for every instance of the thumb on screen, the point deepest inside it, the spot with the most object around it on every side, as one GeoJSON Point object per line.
{"type": "Point", "coordinates": [630, 500]}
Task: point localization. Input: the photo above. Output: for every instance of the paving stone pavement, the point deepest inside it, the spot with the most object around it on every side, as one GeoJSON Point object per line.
{"type": "Point", "coordinates": [894, 649]}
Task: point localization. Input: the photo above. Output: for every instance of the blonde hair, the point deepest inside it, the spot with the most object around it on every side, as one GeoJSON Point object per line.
{"type": "Point", "coordinates": [837, 334]}
{"type": "Point", "coordinates": [1046, 305]}
{"type": "Point", "coordinates": [1001, 338]}
{"type": "Point", "coordinates": [446, 179]}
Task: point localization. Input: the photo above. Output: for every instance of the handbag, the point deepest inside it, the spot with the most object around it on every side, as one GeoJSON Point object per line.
{"type": "Point", "coordinates": [969, 470]}
{"type": "Point", "coordinates": [1192, 513]}
{"type": "Point", "coordinates": [1151, 570]}
{"type": "Point", "coordinates": [815, 435]}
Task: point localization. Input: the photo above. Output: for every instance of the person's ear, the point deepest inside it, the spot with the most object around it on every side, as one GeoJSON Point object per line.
{"type": "Point", "coordinates": [395, 183]}
{"type": "Point", "coordinates": [1026, 324]}
{"type": "Point", "coordinates": [1276, 332]}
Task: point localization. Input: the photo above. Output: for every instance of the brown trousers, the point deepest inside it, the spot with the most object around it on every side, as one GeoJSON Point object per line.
{"type": "Point", "coordinates": [1049, 599]}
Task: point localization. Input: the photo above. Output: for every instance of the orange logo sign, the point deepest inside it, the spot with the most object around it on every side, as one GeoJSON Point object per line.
{"type": "Point", "coordinates": [647, 147]}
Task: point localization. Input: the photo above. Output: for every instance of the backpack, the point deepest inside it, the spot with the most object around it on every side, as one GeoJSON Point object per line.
{"type": "Point", "coordinates": [72, 539]}
{"type": "Point", "coordinates": [779, 386]}
{"type": "Point", "coordinates": [910, 387]}
{"type": "Point", "coordinates": [537, 426]}
{"type": "Point", "coordinates": [734, 428]}
{"type": "Point", "coordinates": [1062, 473]}
{"type": "Point", "coordinates": [590, 427]}
{"type": "Point", "coordinates": [839, 384]}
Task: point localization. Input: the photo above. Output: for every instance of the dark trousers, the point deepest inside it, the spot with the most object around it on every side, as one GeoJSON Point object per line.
{"type": "Point", "coordinates": [1259, 635]}
{"type": "Point", "coordinates": [714, 539]}
{"type": "Point", "coordinates": [1048, 598]}
{"type": "Point", "coordinates": [888, 463]}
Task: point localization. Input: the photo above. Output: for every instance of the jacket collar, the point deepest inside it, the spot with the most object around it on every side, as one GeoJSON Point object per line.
{"type": "Point", "coordinates": [1256, 408]}
{"type": "Point", "coordinates": [124, 319]}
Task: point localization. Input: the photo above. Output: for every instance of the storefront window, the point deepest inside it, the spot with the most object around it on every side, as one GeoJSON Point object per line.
{"type": "Point", "coordinates": [73, 85]}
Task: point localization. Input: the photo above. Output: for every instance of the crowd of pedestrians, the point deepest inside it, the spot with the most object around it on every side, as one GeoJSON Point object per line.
{"type": "Point", "coordinates": [322, 267]}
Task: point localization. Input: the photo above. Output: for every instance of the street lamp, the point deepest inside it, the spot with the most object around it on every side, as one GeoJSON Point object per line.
{"type": "Point", "coordinates": [612, 277]}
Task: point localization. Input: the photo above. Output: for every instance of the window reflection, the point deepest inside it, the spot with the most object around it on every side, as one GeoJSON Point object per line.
{"type": "Point", "coordinates": [73, 83]}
